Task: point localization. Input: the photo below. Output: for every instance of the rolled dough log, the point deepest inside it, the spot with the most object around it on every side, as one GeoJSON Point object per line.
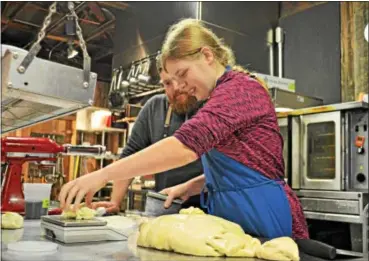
{"type": "Point", "coordinates": [282, 249]}
{"type": "Point", "coordinates": [11, 220]}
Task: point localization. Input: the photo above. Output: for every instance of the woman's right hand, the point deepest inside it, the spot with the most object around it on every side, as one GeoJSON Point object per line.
{"type": "Point", "coordinates": [181, 191]}
{"type": "Point", "coordinates": [110, 207]}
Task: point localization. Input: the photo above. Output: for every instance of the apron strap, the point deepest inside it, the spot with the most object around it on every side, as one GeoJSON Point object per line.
{"type": "Point", "coordinates": [204, 205]}
{"type": "Point", "coordinates": [167, 121]}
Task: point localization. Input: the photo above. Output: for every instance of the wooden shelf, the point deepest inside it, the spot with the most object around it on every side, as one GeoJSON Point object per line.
{"type": "Point", "coordinates": [107, 157]}
{"type": "Point", "coordinates": [107, 129]}
{"type": "Point", "coordinates": [94, 108]}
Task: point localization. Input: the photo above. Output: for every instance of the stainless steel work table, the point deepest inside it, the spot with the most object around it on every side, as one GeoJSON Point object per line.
{"type": "Point", "coordinates": [104, 251]}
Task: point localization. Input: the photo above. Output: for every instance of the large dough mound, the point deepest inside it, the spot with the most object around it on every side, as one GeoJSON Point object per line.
{"type": "Point", "coordinates": [283, 249]}
{"type": "Point", "coordinates": [197, 234]}
{"type": "Point", "coordinates": [82, 213]}
{"type": "Point", "coordinates": [11, 220]}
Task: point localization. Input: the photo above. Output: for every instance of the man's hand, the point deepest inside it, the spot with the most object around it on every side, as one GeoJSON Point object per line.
{"type": "Point", "coordinates": [180, 191]}
{"type": "Point", "coordinates": [111, 207]}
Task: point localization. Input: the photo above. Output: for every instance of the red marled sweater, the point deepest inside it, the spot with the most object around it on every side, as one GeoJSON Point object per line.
{"type": "Point", "coordinates": [239, 120]}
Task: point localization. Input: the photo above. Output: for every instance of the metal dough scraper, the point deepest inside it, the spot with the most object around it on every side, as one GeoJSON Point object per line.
{"type": "Point", "coordinates": [154, 205]}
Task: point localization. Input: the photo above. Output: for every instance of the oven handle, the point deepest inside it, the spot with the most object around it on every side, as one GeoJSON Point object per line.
{"type": "Point", "coordinates": [311, 145]}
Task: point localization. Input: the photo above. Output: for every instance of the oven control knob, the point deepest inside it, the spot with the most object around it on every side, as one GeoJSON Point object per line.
{"type": "Point", "coordinates": [360, 177]}
{"type": "Point", "coordinates": [360, 150]}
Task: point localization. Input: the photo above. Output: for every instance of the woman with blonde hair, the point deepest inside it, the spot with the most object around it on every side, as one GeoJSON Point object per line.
{"type": "Point", "coordinates": [235, 134]}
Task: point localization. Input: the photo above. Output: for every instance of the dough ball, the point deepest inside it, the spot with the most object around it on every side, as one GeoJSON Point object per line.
{"type": "Point", "coordinates": [281, 249]}
{"type": "Point", "coordinates": [11, 220]}
{"type": "Point", "coordinates": [85, 213]}
{"type": "Point", "coordinates": [11, 236]}
{"type": "Point", "coordinates": [82, 213]}
{"type": "Point", "coordinates": [69, 214]}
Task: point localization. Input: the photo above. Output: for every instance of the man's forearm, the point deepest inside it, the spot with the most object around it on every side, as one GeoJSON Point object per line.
{"type": "Point", "coordinates": [196, 185]}
{"type": "Point", "coordinates": [120, 188]}
{"type": "Point", "coordinates": [164, 155]}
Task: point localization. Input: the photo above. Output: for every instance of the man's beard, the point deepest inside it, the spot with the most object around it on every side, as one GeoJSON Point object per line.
{"type": "Point", "coordinates": [183, 107]}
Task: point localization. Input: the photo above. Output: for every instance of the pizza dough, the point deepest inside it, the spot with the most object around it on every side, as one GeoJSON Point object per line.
{"type": "Point", "coordinates": [193, 232]}
{"type": "Point", "coordinates": [82, 213]}
{"type": "Point", "coordinates": [282, 248]}
{"type": "Point", "coordinates": [11, 220]}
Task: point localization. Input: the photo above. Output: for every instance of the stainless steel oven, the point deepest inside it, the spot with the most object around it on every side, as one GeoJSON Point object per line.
{"type": "Point", "coordinates": [330, 147]}
{"type": "Point", "coordinates": [285, 101]}
{"type": "Point", "coordinates": [321, 142]}
{"type": "Point", "coordinates": [329, 164]}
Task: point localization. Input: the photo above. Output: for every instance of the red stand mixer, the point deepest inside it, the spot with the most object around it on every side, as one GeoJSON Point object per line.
{"type": "Point", "coordinates": [17, 150]}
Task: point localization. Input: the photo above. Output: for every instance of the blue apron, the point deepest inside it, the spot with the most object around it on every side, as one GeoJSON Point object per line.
{"type": "Point", "coordinates": [246, 197]}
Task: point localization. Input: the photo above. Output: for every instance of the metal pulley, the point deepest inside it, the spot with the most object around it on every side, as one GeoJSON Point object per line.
{"type": "Point", "coordinates": [70, 25]}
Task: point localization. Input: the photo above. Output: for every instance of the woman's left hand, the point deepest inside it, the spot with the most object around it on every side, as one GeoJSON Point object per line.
{"type": "Point", "coordinates": [86, 185]}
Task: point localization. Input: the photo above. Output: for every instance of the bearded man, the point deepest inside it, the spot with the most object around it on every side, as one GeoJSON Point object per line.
{"type": "Point", "coordinates": [160, 117]}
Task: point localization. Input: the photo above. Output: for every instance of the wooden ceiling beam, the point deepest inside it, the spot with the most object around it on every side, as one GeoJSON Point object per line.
{"type": "Point", "coordinates": [95, 9]}
{"type": "Point", "coordinates": [33, 6]}
{"type": "Point", "coordinates": [116, 5]}
{"type": "Point", "coordinates": [13, 15]}
{"type": "Point", "coordinates": [26, 28]}
{"type": "Point", "coordinates": [59, 22]}
{"type": "Point", "coordinates": [100, 30]}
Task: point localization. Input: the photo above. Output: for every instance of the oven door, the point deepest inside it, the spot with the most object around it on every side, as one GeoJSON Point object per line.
{"type": "Point", "coordinates": [321, 151]}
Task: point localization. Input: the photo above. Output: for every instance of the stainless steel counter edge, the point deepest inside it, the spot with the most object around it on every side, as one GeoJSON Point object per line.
{"type": "Point", "coordinates": [102, 251]}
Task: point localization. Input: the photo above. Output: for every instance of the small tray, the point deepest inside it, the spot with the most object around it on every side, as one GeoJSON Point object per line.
{"type": "Point", "coordinates": [60, 221]}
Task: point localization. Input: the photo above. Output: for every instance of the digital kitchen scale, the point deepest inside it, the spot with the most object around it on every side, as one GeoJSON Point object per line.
{"type": "Point", "coordinates": [111, 228]}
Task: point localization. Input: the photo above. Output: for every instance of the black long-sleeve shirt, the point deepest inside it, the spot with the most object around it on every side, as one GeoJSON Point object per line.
{"type": "Point", "coordinates": [149, 129]}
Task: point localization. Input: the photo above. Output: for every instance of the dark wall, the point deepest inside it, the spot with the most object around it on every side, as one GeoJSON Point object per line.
{"type": "Point", "coordinates": [311, 48]}
{"type": "Point", "coordinates": [243, 25]}
{"type": "Point", "coordinates": [312, 51]}
{"type": "Point", "coordinates": [141, 29]}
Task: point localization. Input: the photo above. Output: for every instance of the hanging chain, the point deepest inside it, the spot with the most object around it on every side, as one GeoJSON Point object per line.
{"type": "Point", "coordinates": [82, 42]}
{"type": "Point", "coordinates": [47, 21]}
{"type": "Point", "coordinates": [36, 47]}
